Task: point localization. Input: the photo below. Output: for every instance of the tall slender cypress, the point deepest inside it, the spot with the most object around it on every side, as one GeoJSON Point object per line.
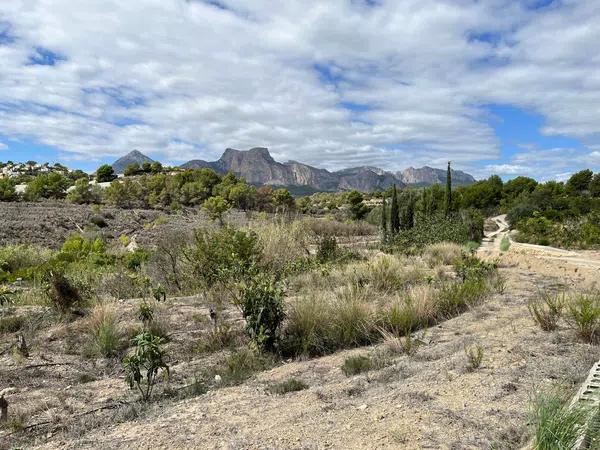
{"type": "Point", "coordinates": [394, 213]}
{"type": "Point", "coordinates": [383, 221]}
{"type": "Point", "coordinates": [448, 190]}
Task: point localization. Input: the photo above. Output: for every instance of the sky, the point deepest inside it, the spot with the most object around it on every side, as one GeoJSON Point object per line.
{"type": "Point", "coordinates": [508, 87]}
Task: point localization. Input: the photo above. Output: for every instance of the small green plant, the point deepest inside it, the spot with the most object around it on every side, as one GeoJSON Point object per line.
{"type": "Point", "coordinates": [556, 426]}
{"type": "Point", "coordinates": [474, 356]}
{"type": "Point", "coordinates": [142, 368]}
{"type": "Point", "coordinates": [290, 385]}
{"type": "Point", "coordinates": [546, 310]}
{"type": "Point", "coordinates": [159, 293]}
{"type": "Point", "coordinates": [145, 313]}
{"type": "Point", "coordinates": [504, 244]}
{"type": "Point", "coordinates": [584, 316]}
{"type": "Point", "coordinates": [124, 240]}
{"type": "Point", "coordinates": [354, 365]}
{"type": "Point", "coordinates": [241, 365]}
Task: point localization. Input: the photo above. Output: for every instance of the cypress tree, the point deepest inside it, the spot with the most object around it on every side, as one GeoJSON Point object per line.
{"type": "Point", "coordinates": [410, 212]}
{"type": "Point", "coordinates": [383, 221]}
{"type": "Point", "coordinates": [394, 213]}
{"type": "Point", "coordinates": [448, 190]}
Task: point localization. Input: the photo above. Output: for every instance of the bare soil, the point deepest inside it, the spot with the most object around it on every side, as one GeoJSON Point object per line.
{"type": "Point", "coordinates": [428, 400]}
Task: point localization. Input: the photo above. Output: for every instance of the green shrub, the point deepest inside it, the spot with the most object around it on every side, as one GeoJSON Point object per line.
{"type": "Point", "coordinates": [328, 249]}
{"type": "Point", "coordinates": [142, 368]}
{"type": "Point", "coordinates": [134, 260]}
{"type": "Point", "coordinates": [474, 355]}
{"type": "Point", "coordinates": [241, 365]}
{"type": "Point", "coordinates": [353, 365]}
{"type": "Point", "coordinates": [263, 310]}
{"type": "Point", "coordinates": [223, 256]}
{"type": "Point", "coordinates": [145, 313]}
{"type": "Point", "coordinates": [555, 425]}
{"type": "Point", "coordinates": [546, 310]}
{"type": "Point", "coordinates": [583, 313]}
{"type": "Point", "coordinates": [104, 336]}
{"type": "Point", "coordinates": [290, 385]}
{"type": "Point", "coordinates": [504, 244]}
{"type": "Point", "coordinates": [61, 292]}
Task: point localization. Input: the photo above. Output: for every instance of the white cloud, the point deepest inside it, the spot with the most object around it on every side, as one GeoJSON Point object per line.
{"type": "Point", "coordinates": [183, 79]}
{"type": "Point", "coordinates": [3, 146]}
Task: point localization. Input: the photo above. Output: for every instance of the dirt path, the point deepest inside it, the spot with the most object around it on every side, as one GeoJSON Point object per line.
{"type": "Point", "coordinates": [429, 400]}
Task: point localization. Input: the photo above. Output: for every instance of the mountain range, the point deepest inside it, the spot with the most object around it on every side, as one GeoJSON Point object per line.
{"type": "Point", "coordinates": [258, 167]}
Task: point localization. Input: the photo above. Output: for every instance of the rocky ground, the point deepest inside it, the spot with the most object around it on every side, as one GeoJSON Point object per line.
{"type": "Point", "coordinates": [427, 400]}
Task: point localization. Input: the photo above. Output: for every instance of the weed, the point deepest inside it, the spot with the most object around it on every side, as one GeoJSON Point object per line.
{"type": "Point", "coordinates": [442, 253]}
{"type": "Point", "coordinates": [104, 337]}
{"type": "Point", "coordinates": [556, 426]}
{"type": "Point", "coordinates": [474, 356]}
{"type": "Point", "coordinates": [290, 385]}
{"type": "Point", "coordinates": [504, 244]}
{"type": "Point", "coordinates": [145, 313]}
{"type": "Point", "coordinates": [354, 365]}
{"type": "Point", "coordinates": [546, 310]}
{"type": "Point", "coordinates": [584, 316]}
{"type": "Point", "coordinates": [241, 365]}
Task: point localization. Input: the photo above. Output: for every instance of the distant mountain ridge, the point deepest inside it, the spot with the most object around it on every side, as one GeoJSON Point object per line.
{"type": "Point", "coordinates": [258, 167]}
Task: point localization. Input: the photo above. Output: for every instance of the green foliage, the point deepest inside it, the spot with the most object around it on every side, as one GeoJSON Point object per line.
{"type": "Point", "coordinates": [223, 256]}
{"type": "Point", "coordinates": [546, 310]}
{"type": "Point", "coordinates": [135, 259]}
{"type": "Point", "coordinates": [7, 191]}
{"type": "Point", "coordinates": [328, 249]}
{"type": "Point", "coordinates": [105, 339]}
{"type": "Point", "coordinates": [357, 208]}
{"type": "Point", "coordinates": [437, 228]}
{"type": "Point", "coordinates": [145, 313]}
{"type": "Point", "coordinates": [448, 202]}
{"type": "Point", "coordinates": [579, 182]}
{"type": "Point", "coordinates": [555, 425]}
{"type": "Point", "coordinates": [394, 213]}
{"type": "Point", "coordinates": [47, 185]}
{"type": "Point", "coordinates": [241, 365]}
{"type": "Point", "coordinates": [6, 295]}
{"type": "Point", "coordinates": [287, 386]}
{"type": "Point", "coordinates": [353, 365]}
{"type": "Point", "coordinates": [84, 192]}
{"type": "Point", "coordinates": [474, 355]}
{"type": "Point", "coordinates": [504, 244]}
{"type": "Point", "coordinates": [105, 174]}
{"type": "Point", "coordinates": [142, 368]}
{"type": "Point", "coordinates": [583, 313]}
{"type": "Point", "coordinates": [216, 207]}
{"type": "Point", "coordinates": [263, 309]}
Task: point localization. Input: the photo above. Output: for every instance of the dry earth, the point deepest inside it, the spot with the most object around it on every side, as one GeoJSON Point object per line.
{"type": "Point", "coordinates": [429, 400]}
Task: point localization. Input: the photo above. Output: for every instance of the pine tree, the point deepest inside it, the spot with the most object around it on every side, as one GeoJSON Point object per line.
{"type": "Point", "coordinates": [448, 190]}
{"type": "Point", "coordinates": [394, 213]}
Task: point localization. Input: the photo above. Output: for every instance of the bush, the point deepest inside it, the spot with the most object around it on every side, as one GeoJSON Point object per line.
{"type": "Point", "coordinates": [474, 356]}
{"type": "Point", "coordinates": [62, 293]}
{"type": "Point", "coordinates": [142, 368]}
{"type": "Point", "coordinates": [584, 316]}
{"type": "Point", "coordinates": [442, 253]}
{"type": "Point", "coordinates": [263, 310]}
{"type": "Point", "coordinates": [556, 426]}
{"type": "Point", "coordinates": [105, 339]}
{"type": "Point", "coordinates": [223, 256]}
{"type": "Point", "coordinates": [546, 310]}
{"type": "Point", "coordinates": [284, 387]}
{"type": "Point", "coordinates": [504, 244]}
{"type": "Point", "coordinates": [328, 249]}
{"type": "Point", "coordinates": [241, 365]}
{"type": "Point", "coordinates": [353, 365]}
